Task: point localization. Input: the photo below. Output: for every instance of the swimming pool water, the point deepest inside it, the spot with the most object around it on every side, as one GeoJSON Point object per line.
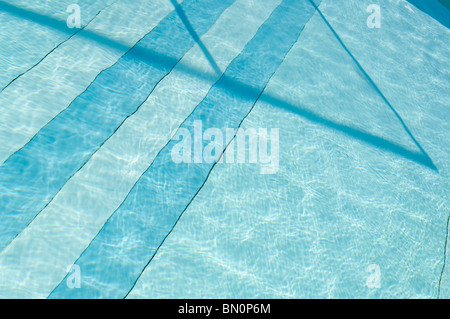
{"type": "Point", "coordinates": [87, 177]}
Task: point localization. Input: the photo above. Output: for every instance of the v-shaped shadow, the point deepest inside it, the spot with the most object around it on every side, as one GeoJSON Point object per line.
{"type": "Point", "coordinates": [240, 88]}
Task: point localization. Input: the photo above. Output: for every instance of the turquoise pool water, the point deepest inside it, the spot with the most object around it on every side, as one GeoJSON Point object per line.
{"type": "Point", "coordinates": [93, 204]}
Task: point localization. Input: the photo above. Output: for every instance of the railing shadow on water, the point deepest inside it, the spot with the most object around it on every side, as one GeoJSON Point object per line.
{"type": "Point", "coordinates": [236, 86]}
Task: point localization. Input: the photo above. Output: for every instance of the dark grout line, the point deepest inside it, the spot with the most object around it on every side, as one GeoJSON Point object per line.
{"type": "Point", "coordinates": [445, 258]}
{"type": "Point", "coordinates": [214, 164]}
{"type": "Point", "coordinates": [243, 89]}
{"type": "Point", "coordinates": [422, 159]}
{"type": "Point", "coordinates": [62, 111]}
{"type": "Point", "coordinates": [140, 177]}
{"type": "Point", "coordinates": [56, 47]}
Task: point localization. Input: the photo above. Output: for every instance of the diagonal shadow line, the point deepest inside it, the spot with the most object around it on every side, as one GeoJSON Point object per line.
{"type": "Point", "coordinates": [242, 89]}
{"type": "Point", "coordinates": [179, 10]}
{"type": "Point", "coordinates": [358, 134]}
{"type": "Point", "coordinates": [56, 47]}
{"type": "Point", "coordinates": [35, 17]}
{"type": "Point", "coordinates": [217, 84]}
{"type": "Point", "coordinates": [369, 79]}
{"type": "Point", "coordinates": [143, 54]}
{"type": "Point", "coordinates": [115, 130]}
{"type": "Point", "coordinates": [261, 93]}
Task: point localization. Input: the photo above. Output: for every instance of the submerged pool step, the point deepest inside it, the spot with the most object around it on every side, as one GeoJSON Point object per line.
{"type": "Point", "coordinates": [32, 101]}
{"type": "Point", "coordinates": [31, 177]}
{"type": "Point", "coordinates": [125, 245]}
{"type": "Point", "coordinates": [25, 27]}
{"type": "Point", "coordinates": [62, 231]}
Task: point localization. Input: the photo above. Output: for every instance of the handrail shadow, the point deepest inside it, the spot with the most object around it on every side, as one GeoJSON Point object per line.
{"type": "Point", "coordinates": [195, 36]}
{"type": "Point", "coordinates": [238, 87]}
{"type": "Point", "coordinates": [370, 80]}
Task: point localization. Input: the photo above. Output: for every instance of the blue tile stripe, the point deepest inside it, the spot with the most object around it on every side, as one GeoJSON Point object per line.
{"type": "Point", "coordinates": [129, 239]}
{"type": "Point", "coordinates": [31, 177]}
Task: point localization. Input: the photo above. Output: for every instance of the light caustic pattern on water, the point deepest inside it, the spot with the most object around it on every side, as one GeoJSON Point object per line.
{"type": "Point", "coordinates": [358, 206]}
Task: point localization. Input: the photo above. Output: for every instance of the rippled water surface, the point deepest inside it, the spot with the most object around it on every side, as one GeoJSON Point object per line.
{"type": "Point", "coordinates": [357, 207]}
